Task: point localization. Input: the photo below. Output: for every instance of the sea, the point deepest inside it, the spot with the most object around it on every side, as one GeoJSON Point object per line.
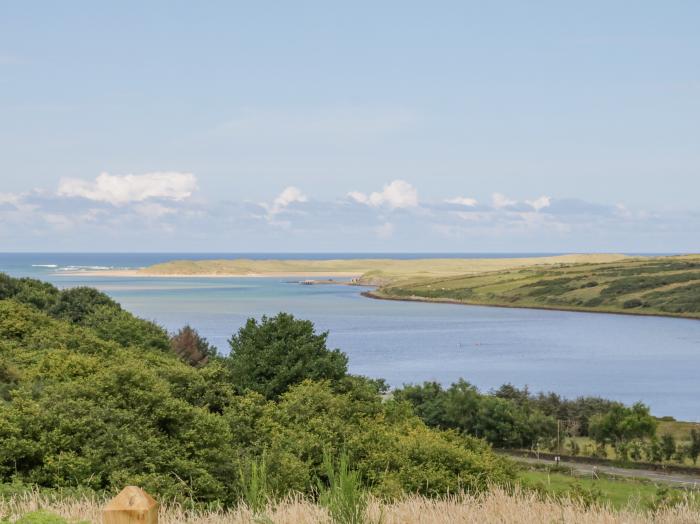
{"type": "Point", "coordinates": [655, 360]}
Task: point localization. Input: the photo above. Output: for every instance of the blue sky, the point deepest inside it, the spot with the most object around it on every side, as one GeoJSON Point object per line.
{"type": "Point", "coordinates": [356, 126]}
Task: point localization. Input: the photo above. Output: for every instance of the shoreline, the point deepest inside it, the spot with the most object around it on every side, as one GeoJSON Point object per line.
{"type": "Point", "coordinates": [375, 296]}
{"type": "Point", "coordinates": [138, 273]}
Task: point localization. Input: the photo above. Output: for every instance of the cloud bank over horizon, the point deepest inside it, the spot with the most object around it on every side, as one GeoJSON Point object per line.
{"type": "Point", "coordinates": [163, 211]}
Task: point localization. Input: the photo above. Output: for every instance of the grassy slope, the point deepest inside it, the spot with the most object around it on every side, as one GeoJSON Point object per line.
{"type": "Point", "coordinates": [679, 429]}
{"type": "Point", "coordinates": [617, 492]}
{"type": "Point", "coordinates": [656, 286]}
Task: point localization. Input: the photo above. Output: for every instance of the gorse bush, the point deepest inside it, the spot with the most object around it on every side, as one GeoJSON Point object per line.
{"type": "Point", "coordinates": [93, 397]}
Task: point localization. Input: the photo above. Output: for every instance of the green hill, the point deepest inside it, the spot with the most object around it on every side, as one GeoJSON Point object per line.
{"type": "Point", "coordinates": [650, 286]}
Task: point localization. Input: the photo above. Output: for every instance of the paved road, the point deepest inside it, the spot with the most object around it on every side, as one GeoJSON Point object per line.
{"type": "Point", "coordinates": [591, 469]}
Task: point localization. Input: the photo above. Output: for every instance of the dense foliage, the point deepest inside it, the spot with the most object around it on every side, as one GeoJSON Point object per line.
{"type": "Point", "coordinates": [92, 396]}
{"type": "Point", "coordinates": [514, 418]}
{"type": "Point", "coordinates": [269, 356]}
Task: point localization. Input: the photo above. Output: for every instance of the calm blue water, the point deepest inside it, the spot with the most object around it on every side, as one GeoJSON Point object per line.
{"type": "Point", "coordinates": [628, 358]}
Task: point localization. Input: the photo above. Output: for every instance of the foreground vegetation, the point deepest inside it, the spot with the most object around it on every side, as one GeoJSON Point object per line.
{"type": "Point", "coordinates": [514, 418]}
{"type": "Point", "coordinates": [495, 506]}
{"type": "Point", "coordinates": [93, 397]}
{"type": "Point", "coordinates": [651, 286]}
{"type": "Point", "coordinates": [613, 492]}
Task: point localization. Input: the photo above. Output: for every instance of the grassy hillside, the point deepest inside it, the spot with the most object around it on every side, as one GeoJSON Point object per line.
{"type": "Point", "coordinates": [375, 271]}
{"type": "Point", "coordinates": [652, 286]}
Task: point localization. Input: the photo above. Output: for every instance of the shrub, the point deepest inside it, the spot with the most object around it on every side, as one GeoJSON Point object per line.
{"type": "Point", "coordinates": [632, 303]}
{"type": "Point", "coordinates": [271, 355]}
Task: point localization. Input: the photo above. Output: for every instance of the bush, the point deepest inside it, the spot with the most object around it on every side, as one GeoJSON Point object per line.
{"type": "Point", "coordinates": [270, 356]}
{"type": "Point", "coordinates": [632, 303]}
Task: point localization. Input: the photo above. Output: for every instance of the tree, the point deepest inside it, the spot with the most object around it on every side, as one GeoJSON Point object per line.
{"type": "Point", "coordinates": [271, 355]}
{"type": "Point", "coordinates": [77, 303]}
{"type": "Point", "coordinates": [694, 446]}
{"type": "Point", "coordinates": [622, 424]}
{"type": "Point", "coordinates": [191, 347]}
{"type": "Point", "coordinates": [428, 401]}
{"type": "Point", "coordinates": [668, 446]}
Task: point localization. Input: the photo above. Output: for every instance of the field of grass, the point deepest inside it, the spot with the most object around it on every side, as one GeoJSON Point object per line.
{"type": "Point", "coordinates": [643, 285]}
{"type": "Point", "coordinates": [677, 428]}
{"type": "Point", "coordinates": [493, 507]}
{"type": "Point", "coordinates": [370, 271]}
{"type": "Point", "coordinates": [619, 493]}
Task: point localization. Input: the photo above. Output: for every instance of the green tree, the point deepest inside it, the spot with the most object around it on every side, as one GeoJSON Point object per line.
{"type": "Point", "coordinates": [694, 446]}
{"type": "Point", "coordinates": [621, 424]}
{"type": "Point", "coordinates": [271, 355]}
{"type": "Point", "coordinates": [75, 304]}
{"type": "Point", "coordinates": [668, 446]}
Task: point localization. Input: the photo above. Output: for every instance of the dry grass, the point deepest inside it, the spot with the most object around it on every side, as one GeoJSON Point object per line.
{"type": "Point", "coordinates": [372, 270]}
{"type": "Point", "coordinates": [494, 507]}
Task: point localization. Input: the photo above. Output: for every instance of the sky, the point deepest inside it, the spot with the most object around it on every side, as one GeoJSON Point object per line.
{"type": "Point", "coordinates": [391, 126]}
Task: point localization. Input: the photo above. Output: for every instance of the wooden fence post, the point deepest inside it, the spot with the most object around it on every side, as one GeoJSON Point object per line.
{"type": "Point", "coordinates": [133, 505]}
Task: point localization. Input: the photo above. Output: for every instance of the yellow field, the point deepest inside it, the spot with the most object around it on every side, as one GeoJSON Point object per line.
{"type": "Point", "coordinates": [375, 271]}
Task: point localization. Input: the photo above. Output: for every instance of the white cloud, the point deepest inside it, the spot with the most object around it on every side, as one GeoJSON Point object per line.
{"type": "Point", "coordinates": [9, 198]}
{"type": "Point", "coordinates": [124, 189]}
{"type": "Point", "coordinates": [462, 201]}
{"type": "Point", "coordinates": [500, 201]}
{"type": "Point", "coordinates": [539, 203]}
{"type": "Point", "coordinates": [396, 194]}
{"type": "Point", "coordinates": [359, 197]}
{"type": "Point", "coordinates": [288, 196]}
{"type": "Point", "coordinates": [474, 217]}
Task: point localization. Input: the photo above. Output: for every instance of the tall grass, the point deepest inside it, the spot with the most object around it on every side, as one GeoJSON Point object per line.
{"type": "Point", "coordinates": [343, 495]}
{"type": "Point", "coordinates": [495, 506]}
{"type": "Point", "coordinates": [255, 492]}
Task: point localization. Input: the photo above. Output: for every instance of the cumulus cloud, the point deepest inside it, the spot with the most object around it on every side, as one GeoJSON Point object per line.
{"type": "Point", "coordinates": [499, 201]}
{"type": "Point", "coordinates": [287, 197]}
{"type": "Point", "coordinates": [9, 198]}
{"type": "Point", "coordinates": [124, 189]}
{"type": "Point", "coordinates": [396, 194]}
{"type": "Point", "coordinates": [539, 203]}
{"type": "Point", "coordinates": [462, 201]}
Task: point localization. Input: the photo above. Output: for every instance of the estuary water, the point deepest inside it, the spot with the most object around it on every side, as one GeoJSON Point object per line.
{"type": "Point", "coordinates": [652, 359]}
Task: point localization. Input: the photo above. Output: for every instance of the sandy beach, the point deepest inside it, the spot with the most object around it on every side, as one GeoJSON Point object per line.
{"type": "Point", "coordinates": [133, 273]}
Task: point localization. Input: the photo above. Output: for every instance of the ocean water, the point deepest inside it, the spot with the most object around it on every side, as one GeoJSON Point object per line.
{"type": "Point", "coordinates": [652, 359]}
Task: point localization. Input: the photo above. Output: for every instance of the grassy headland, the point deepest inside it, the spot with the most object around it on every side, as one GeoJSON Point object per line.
{"type": "Point", "coordinates": [607, 283]}
{"type": "Point", "coordinates": [375, 271]}
{"type": "Point", "coordinates": [645, 285]}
